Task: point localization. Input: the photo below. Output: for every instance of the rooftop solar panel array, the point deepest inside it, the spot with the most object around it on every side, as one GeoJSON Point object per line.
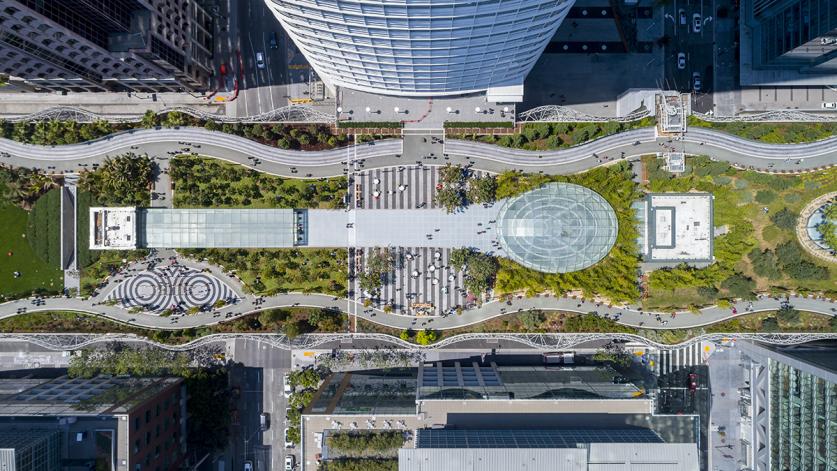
{"type": "Point", "coordinates": [535, 438]}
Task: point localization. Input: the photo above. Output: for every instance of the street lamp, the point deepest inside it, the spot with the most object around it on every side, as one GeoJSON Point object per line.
{"type": "Point", "coordinates": [397, 110]}
{"type": "Point", "coordinates": [449, 110]}
{"type": "Point", "coordinates": [368, 109]}
{"type": "Point", "coordinates": [477, 110]}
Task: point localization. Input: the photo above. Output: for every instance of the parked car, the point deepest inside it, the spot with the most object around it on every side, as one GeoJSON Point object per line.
{"type": "Point", "coordinates": [682, 14]}
{"type": "Point", "coordinates": [286, 380]}
{"type": "Point", "coordinates": [264, 421]}
{"type": "Point", "coordinates": [681, 60]}
{"type": "Point", "coordinates": [692, 382]}
{"type": "Point", "coordinates": [829, 106]}
{"type": "Point", "coordinates": [696, 81]}
{"type": "Point", "coordinates": [260, 60]}
{"type": "Point", "coordinates": [288, 443]}
{"type": "Point", "coordinates": [248, 466]}
{"type": "Point", "coordinates": [697, 22]}
{"type": "Point", "coordinates": [274, 42]}
{"type": "Point", "coordinates": [290, 463]}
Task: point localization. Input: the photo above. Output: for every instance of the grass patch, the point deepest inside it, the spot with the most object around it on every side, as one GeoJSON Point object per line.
{"type": "Point", "coordinates": [201, 182]}
{"type": "Point", "coordinates": [37, 275]}
{"type": "Point", "coordinates": [43, 228]}
{"type": "Point", "coordinates": [272, 271]}
{"type": "Point", "coordinates": [754, 227]}
{"type": "Point", "coordinates": [773, 133]}
{"type": "Point", "coordinates": [614, 277]}
{"type": "Point", "coordinates": [551, 136]}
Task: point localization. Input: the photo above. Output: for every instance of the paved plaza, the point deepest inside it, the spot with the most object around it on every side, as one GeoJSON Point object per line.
{"type": "Point", "coordinates": [175, 288]}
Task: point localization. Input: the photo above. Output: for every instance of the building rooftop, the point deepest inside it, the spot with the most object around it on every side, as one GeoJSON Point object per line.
{"type": "Point", "coordinates": [532, 438]}
{"type": "Point", "coordinates": [80, 396]}
{"type": "Point", "coordinates": [113, 228]}
{"type": "Point", "coordinates": [557, 228]}
{"type": "Point", "coordinates": [678, 227]}
{"type": "Point", "coordinates": [592, 457]}
{"type": "Point", "coordinates": [217, 228]}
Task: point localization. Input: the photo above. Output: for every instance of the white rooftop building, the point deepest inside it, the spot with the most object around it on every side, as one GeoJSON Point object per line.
{"type": "Point", "coordinates": [113, 228]}
{"type": "Point", "coordinates": [417, 48]}
{"type": "Point", "coordinates": [677, 227]}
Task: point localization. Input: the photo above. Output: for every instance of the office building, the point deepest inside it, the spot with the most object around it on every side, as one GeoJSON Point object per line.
{"type": "Point", "coordinates": [419, 48]}
{"type": "Point", "coordinates": [123, 424]}
{"type": "Point", "coordinates": [793, 407]}
{"type": "Point", "coordinates": [107, 45]}
{"type": "Point", "coordinates": [469, 415]}
{"type": "Point", "coordinates": [30, 450]}
{"type": "Point", "coordinates": [788, 42]}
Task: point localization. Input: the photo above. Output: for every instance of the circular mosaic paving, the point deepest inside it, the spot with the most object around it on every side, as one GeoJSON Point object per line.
{"type": "Point", "coordinates": [175, 288]}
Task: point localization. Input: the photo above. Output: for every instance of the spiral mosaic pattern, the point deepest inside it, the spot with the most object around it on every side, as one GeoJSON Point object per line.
{"type": "Point", "coordinates": [175, 288]}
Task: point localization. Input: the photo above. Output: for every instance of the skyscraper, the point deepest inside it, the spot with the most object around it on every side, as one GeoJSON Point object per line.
{"type": "Point", "coordinates": [101, 45]}
{"type": "Point", "coordinates": [793, 394]}
{"type": "Point", "coordinates": [788, 42]}
{"type": "Point", "coordinates": [422, 48]}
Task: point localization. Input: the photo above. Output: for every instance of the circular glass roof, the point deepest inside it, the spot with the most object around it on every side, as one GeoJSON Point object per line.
{"type": "Point", "coordinates": [557, 228]}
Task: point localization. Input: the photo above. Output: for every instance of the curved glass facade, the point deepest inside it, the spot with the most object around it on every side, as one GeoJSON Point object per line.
{"type": "Point", "coordinates": [558, 228]}
{"type": "Point", "coordinates": [421, 47]}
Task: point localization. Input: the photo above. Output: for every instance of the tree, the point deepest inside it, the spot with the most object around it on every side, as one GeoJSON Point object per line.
{"type": "Point", "coordinates": [150, 119]}
{"type": "Point", "coordinates": [531, 320]}
{"type": "Point", "coordinates": [765, 196]}
{"type": "Point", "coordinates": [788, 314]}
{"type": "Point", "coordinates": [426, 337]}
{"type": "Point", "coordinates": [739, 286]}
{"type": "Point", "coordinates": [379, 263]}
{"type": "Point", "coordinates": [451, 175]}
{"type": "Point", "coordinates": [770, 324]}
{"type": "Point", "coordinates": [449, 198]}
{"type": "Point", "coordinates": [406, 335]}
{"type": "Point", "coordinates": [784, 219]}
{"type": "Point", "coordinates": [292, 329]}
{"type": "Point", "coordinates": [482, 190]}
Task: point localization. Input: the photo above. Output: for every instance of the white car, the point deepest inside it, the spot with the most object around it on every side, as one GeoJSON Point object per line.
{"type": "Point", "coordinates": [682, 14]}
{"type": "Point", "coordinates": [288, 443]}
{"type": "Point", "coordinates": [248, 466]}
{"type": "Point", "coordinates": [260, 60]}
{"type": "Point", "coordinates": [681, 60]}
{"type": "Point", "coordinates": [286, 380]}
{"type": "Point", "coordinates": [696, 81]}
{"type": "Point", "coordinates": [696, 22]}
{"type": "Point", "coordinates": [829, 106]}
{"type": "Point", "coordinates": [290, 463]}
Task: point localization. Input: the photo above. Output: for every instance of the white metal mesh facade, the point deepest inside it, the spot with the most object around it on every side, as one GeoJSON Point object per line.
{"type": "Point", "coordinates": [421, 47]}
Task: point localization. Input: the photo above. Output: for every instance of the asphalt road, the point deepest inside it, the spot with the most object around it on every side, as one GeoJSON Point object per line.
{"type": "Point", "coordinates": [259, 379]}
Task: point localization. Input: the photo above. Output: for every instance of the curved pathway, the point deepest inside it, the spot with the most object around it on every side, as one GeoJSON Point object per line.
{"type": "Point", "coordinates": [159, 142]}
{"type": "Point", "coordinates": [248, 304]}
{"type": "Point", "coordinates": [388, 153]}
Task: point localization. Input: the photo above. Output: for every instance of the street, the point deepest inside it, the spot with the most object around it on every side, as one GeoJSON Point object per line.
{"type": "Point", "coordinates": [690, 30]}
{"type": "Point", "coordinates": [258, 379]}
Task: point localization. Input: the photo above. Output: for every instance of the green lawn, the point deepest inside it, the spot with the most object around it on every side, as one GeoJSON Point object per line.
{"type": "Point", "coordinates": [43, 229]}
{"type": "Point", "coordinates": [36, 274]}
{"type": "Point", "coordinates": [201, 182]}
{"type": "Point", "coordinates": [774, 133]}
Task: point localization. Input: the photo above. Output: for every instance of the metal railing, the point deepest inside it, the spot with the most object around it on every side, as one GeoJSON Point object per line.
{"type": "Point", "coordinates": [556, 341]}
{"type": "Point", "coordinates": [285, 114]}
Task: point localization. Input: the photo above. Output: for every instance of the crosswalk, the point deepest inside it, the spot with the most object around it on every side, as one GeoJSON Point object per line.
{"type": "Point", "coordinates": [681, 358]}
{"type": "Point", "coordinates": [398, 188]}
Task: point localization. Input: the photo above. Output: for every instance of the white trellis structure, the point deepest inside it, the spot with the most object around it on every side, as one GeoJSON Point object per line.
{"type": "Point", "coordinates": [564, 114]}
{"type": "Point", "coordinates": [68, 342]}
{"type": "Point", "coordinates": [285, 114]}
{"type": "Point", "coordinates": [776, 116]}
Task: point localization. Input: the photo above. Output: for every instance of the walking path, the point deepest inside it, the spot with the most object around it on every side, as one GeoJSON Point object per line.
{"type": "Point", "coordinates": [388, 153]}
{"type": "Point", "coordinates": [249, 304]}
{"type": "Point", "coordinates": [160, 143]}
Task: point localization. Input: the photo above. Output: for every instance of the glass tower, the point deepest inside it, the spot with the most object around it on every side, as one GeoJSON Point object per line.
{"type": "Point", "coordinates": [423, 47]}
